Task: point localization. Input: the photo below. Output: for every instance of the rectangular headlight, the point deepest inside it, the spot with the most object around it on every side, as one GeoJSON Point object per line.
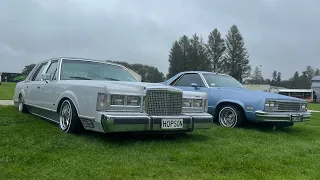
{"type": "Point", "coordinates": [197, 103]}
{"type": "Point", "coordinates": [133, 101]}
{"type": "Point", "coordinates": [117, 100]}
{"type": "Point", "coordinates": [192, 103]}
{"type": "Point", "coordinates": [187, 102]}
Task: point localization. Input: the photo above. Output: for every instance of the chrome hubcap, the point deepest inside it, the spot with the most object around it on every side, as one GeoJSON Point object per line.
{"type": "Point", "coordinates": [20, 105]}
{"type": "Point", "coordinates": [65, 115]}
{"type": "Point", "coordinates": [228, 117]}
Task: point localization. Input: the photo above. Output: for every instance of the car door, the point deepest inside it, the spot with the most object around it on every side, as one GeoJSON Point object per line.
{"type": "Point", "coordinates": [185, 83]}
{"type": "Point", "coordinates": [50, 89]}
{"type": "Point", "coordinates": [34, 93]}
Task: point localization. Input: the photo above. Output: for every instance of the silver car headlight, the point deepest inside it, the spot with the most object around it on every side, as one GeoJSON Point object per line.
{"type": "Point", "coordinates": [270, 105]}
{"type": "Point", "coordinates": [118, 102]}
{"type": "Point", "coordinates": [304, 107]}
{"type": "Point", "coordinates": [192, 103]}
{"type": "Point", "coordinates": [125, 100]}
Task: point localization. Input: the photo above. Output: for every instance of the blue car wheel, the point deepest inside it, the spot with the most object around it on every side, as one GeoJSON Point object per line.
{"type": "Point", "coordinates": [231, 116]}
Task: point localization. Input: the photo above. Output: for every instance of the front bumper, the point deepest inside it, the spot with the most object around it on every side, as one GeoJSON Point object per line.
{"type": "Point", "coordinates": [263, 116]}
{"type": "Point", "coordinates": [133, 122]}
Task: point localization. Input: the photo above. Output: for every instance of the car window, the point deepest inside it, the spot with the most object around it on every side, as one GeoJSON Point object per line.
{"type": "Point", "coordinates": [188, 79]}
{"type": "Point", "coordinates": [217, 80]}
{"type": "Point", "coordinates": [53, 69]}
{"type": "Point", "coordinates": [38, 73]}
{"type": "Point", "coordinates": [89, 70]}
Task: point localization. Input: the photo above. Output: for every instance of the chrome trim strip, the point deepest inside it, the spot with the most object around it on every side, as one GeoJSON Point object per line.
{"type": "Point", "coordinates": [44, 117]}
{"type": "Point", "coordinates": [204, 80]}
{"type": "Point", "coordinates": [40, 107]}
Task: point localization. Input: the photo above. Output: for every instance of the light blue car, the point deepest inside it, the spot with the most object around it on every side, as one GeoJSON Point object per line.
{"type": "Point", "coordinates": [231, 104]}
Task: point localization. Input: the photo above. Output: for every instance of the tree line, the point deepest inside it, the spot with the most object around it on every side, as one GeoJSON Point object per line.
{"type": "Point", "coordinates": [297, 81]}
{"type": "Point", "coordinates": [222, 55]}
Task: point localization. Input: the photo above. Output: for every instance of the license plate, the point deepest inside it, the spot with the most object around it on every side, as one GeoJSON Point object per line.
{"type": "Point", "coordinates": [172, 123]}
{"type": "Point", "coordinates": [296, 118]}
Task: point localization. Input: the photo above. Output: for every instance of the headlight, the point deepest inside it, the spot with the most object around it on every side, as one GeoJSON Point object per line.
{"type": "Point", "coordinates": [117, 100]}
{"type": "Point", "coordinates": [192, 103]}
{"type": "Point", "coordinates": [123, 100]}
{"type": "Point", "coordinates": [270, 105]}
{"type": "Point", "coordinates": [133, 101]}
{"type": "Point", "coordinates": [101, 102]}
{"type": "Point", "coordinates": [197, 103]}
{"type": "Point", "coordinates": [304, 105]}
{"type": "Point", "coordinates": [187, 102]}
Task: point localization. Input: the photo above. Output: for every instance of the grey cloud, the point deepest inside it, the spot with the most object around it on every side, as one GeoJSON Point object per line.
{"type": "Point", "coordinates": [276, 33]}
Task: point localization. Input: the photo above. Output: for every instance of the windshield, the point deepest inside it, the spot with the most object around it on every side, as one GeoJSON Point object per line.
{"type": "Point", "coordinates": [89, 70]}
{"type": "Point", "coordinates": [218, 80]}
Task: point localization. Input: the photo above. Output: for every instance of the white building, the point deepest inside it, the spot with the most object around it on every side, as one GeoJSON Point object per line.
{"type": "Point", "coordinates": [315, 85]}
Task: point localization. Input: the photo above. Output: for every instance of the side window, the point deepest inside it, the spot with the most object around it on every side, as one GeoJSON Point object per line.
{"type": "Point", "coordinates": [53, 70]}
{"type": "Point", "coordinates": [37, 75]}
{"type": "Point", "coordinates": [188, 79]}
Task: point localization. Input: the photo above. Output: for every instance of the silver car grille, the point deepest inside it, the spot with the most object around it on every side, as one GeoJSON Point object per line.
{"type": "Point", "coordinates": [288, 106]}
{"type": "Point", "coordinates": [163, 103]}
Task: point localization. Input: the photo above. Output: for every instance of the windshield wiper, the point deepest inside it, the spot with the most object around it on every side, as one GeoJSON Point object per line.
{"type": "Point", "coordinates": [111, 79]}
{"type": "Point", "coordinates": [78, 77]}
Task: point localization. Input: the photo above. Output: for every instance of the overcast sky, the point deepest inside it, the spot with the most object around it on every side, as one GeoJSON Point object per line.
{"type": "Point", "coordinates": [281, 35]}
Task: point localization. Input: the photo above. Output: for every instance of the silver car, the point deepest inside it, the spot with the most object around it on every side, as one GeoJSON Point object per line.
{"type": "Point", "coordinates": [106, 97]}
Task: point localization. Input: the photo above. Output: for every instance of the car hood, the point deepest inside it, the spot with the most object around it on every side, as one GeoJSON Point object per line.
{"type": "Point", "coordinates": [121, 86]}
{"type": "Point", "coordinates": [256, 93]}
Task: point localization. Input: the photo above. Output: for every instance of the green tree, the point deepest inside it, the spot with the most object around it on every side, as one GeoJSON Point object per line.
{"type": "Point", "coordinates": [304, 81]}
{"type": "Point", "coordinates": [215, 49]}
{"type": "Point", "coordinates": [295, 80]}
{"type": "Point", "coordinates": [197, 57]}
{"type": "Point", "coordinates": [274, 77]}
{"type": "Point", "coordinates": [236, 59]}
{"type": "Point", "coordinates": [184, 43]}
{"type": "Point", "coordinates": [317, 72]}
{"type": "Point", "coordinates": [204, 61]}
{"type": "Point", "coordinates": [279, 78]}
{"type": "Point", "coordinates": [257, 76]}
{"type": "Point", "coordinates": [176, 58]}
{"type": "Point", "coordinates": [27, 69]}
{"type": "Point", "coordinates": [310, 73]}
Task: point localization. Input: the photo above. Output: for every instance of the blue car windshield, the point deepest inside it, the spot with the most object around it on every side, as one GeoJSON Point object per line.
{"type": "Point", "coordinates": [218, 80]}
{"type": "Point", "coordinates": [90, 70]}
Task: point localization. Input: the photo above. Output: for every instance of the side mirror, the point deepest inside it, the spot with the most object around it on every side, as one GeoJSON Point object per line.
{"type": "Point", "coordinates": [46, 77]}
{"type": "Point", "coordinates": [195, 85]}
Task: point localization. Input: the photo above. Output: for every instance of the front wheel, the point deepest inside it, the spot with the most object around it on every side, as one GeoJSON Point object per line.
{"type": "Point", "coordinates": [68, 118]}
{"type": "Point", "coordinates": [21, 106]}
{"type": "Point", "coordinates": [231, 116]}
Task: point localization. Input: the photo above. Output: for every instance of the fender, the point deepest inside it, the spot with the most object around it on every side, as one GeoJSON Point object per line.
{"type": "Point", "coordinates": [69, 94]}
{"type": "Point", "coordinates": [232, 101]}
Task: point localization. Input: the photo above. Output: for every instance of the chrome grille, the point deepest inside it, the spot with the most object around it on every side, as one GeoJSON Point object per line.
{"type": "Point", "coordinates": [163, 103]}
{"type": "Point", "coordinates": [289, 106]}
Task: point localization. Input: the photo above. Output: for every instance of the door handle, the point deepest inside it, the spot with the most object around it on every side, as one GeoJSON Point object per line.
{"type": "Point", "coordinates": [38, 87]}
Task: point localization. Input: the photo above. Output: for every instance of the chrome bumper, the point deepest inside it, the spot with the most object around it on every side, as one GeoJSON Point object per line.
{"type": "Point", "coordinates": [133, 122]}
{"type": "Point", "coordinates": [282, 116]}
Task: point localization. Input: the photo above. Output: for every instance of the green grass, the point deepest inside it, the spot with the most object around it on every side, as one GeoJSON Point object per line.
{"type": "Point", "coordinates": [314, 106]}
{"type": "Point", "coordinates": [32, 148]}
{"type": "Point", "coordinates": [7, 90]}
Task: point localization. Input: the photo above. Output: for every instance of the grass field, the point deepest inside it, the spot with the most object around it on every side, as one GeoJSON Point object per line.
{"type": "Point", "coordinates": [32, 148]}
{"type": "Point", "coordinates": [313, 106]}
{"type": "Point", "coordinates": [7, 90]}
